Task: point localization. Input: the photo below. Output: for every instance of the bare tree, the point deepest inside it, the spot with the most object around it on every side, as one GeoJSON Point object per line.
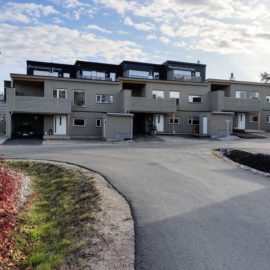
{"type": "Point", "coordinates": [265, 77]}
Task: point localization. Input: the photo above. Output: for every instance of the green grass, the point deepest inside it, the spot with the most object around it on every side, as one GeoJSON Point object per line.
{"type": "Point", "coordinates": [60, 216]}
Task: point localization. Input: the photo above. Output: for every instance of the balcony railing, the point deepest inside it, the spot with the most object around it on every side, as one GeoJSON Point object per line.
{"type": "Point", "coordinates": [187, 78]}
{"type": "Point", "coordinates": [88, 77]}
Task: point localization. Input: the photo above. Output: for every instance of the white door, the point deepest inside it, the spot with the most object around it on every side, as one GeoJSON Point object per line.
{"type": "Point", "coordinates": [159, 122]}
{"type": "Point", "coordinates": [241, 120]}
{"type": "Point", "coordinates": [60, 124]}
{"type": "Point", "coordinates": [205, 125]}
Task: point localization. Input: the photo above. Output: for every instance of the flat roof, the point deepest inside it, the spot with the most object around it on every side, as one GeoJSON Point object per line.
{"type": "Point", "coordinates": [228, 82]}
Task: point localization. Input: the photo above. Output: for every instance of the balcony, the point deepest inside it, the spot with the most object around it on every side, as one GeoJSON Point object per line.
{"type": "Point", "coordinates": [30, 104]}
{"type": "Point", "coordinates": [99, 78]}
{"type": "Point", "coordinates": [152, 105]}
{"type": "Point", "coordinates": [231, 104]}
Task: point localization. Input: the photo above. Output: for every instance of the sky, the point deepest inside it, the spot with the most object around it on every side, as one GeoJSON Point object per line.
{"type": "Point", "coordinates": [226, 35]}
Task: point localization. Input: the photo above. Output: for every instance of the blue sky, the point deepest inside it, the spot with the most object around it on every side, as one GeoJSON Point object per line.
{"type": "Point", "coordinates": [228, 36]}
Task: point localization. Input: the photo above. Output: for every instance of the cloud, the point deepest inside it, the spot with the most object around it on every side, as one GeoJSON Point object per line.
{"type": "Point", "coordinates": [55, 43]}
{"type": "Point", "coordinates": [138, 26]}
{"type": "Point", "coordinates": [24, 12]}
{"type": "Point", "coordinates": [98, 28]}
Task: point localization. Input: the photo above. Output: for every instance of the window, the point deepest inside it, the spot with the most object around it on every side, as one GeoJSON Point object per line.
{"type": "Point", "coordinates": [113, 76]}
{"type": "Point", "coordinates": [156, 75]}
{"type": "Point", "coordinates": [240, 94]}
{"type": "Point", "coordinates": [98, 122]}
{"type": "Point", "coordinates": [194, 121]}
{"type": "Point", "coordinates": [59, 93]}
{"type": "Point", "coordinates": [107, 99]}
{"type": "Point", "coordinates": [268, 119]}
{"type": "Point", "coordinates": [96, 75]}
{"type": "Point", "coordinates": [182, 73]}
{"type": "Point", "coordinates": [158, 94]}
{"type": "Point", "coordinates": [194, 99]}
{"type": "Point", "coordinates": [79, 122]}
{"type": "Point", "coordinates": [198, 74]}
{"type": "Point", "coordinates": [175, 95]}
{"type": "Point", "coordinates": [66, 75]}
{"type": "Point", "coordinates": [138, 73]}
{"type": "Point", "coordinates": [79, 98]}
{"type": "Point", "coordinates": [176, 120]}
{"type": "Point", "coordinates": [267, 98]}
{"type": "Point", "coordinates": [254, 95]}
{"type": "Point", "coordinates": [253, 118]}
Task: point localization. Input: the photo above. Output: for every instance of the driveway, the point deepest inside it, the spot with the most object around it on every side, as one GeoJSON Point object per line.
{"type": "Point", "coordinates": [192, 210]}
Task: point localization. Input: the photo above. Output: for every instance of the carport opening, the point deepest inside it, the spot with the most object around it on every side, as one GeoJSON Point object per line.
{"type": "Point", "coordinates": [27, 125]}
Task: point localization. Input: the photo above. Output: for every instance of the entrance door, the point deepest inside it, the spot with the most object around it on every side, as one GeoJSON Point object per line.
{"type": "Point", "coordinates": [241, 121]}
{"type": "Point", "coordinates": [159, 122]}
{"type": "Point", "coordinates": [205, 125]}
{"type": "Point", "coordinates": [60, 124]}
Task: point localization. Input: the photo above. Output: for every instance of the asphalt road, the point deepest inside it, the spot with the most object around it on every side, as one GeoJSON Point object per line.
{"type": "Point", "coordinates": [192, 210]}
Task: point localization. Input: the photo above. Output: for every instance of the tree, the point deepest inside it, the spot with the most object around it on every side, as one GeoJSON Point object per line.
{"type": "Point", "coordinates": [265, 77]}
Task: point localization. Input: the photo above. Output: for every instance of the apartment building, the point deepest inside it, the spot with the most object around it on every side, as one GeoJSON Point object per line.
{"type": "Point", "coordinates": [114, 102]}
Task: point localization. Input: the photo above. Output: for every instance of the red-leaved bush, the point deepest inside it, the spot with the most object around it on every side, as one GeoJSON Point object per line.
{"type": "Point", "coordinates": [10, 190]}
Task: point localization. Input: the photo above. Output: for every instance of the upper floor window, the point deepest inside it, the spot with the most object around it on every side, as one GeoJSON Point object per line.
{"type": "Point", "coordinates": [182, 72]}
{"type": "Point", "coordinates": [59, 93]}
{"type": "Point", "coordinates": [138, 73]}
{"type": "Point", "coordinates": [175, 95]}
{"type": "Point", "coordinates": [195, 99]}
{"type": "Point", "coordinates": [104, 99]}
{"type": "Point", "coordinates": [158, 94]}
{"type": "Point", "coordinates": [267, 98]}
{"type": "Point", "coordinates": [79, 98]}
{"type": "Point", "coordinates": [156, 75]}
{"type": "Point", "coordinates": [95, 75]}
{"type": "Point", "coordinates": [254, 95]}
{"type": "Point", "coordinates": [66, 75]}
{"type": "Point", "coordinates": [198, 74]}
{"type": "Point", "coordinates": [240, 94]}
{"type": "Point", "coordinates": [268, 119]}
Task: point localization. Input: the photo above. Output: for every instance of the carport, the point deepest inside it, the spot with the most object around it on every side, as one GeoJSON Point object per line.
{"type": "Point", "coordinates": [35, 120]}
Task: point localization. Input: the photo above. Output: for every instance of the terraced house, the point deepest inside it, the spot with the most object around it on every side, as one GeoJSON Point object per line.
{"type": "Point", "coordinates": [114, 102]}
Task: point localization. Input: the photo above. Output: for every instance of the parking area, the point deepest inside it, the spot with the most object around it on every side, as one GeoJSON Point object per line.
{"type": "Point", "coordinates": [23, 141]}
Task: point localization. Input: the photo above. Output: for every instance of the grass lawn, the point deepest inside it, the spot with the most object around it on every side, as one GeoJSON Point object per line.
{"type": "Point", "coordinates": [57, 225]}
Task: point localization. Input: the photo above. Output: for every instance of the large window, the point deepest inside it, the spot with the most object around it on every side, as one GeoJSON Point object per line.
{"type": "Point", "coordinates": [253, 118]}
{"type": "Point", "coordinates": [138, 73]}
{"type": "Point", "coordinates": [194, 121]}
{"type": "Point", "coordinates": [182, 73]}
{"type": "Point", "coordinates": [158, 94]}
{"type": "Point", "coordinates": [93, 74]}
{"type": "Point", "coordinates": [107, 99]}
{"type": "Point", "coordinates": [174, 120]}
{"type": "Point", "coordinates": [79, 122]}
{"type": "Point", "coordinates": [175, 95]}
{"type": "Point", "coordinates": [45, 73]}
{"type": "Point", "coordinates": [195, 99]}
{"type": "Point", "coordinates": [240, 94]}
{"type": "Point", "coordinates": [79, 98]}
{"type": "Point", "coordinates": [59, 93]}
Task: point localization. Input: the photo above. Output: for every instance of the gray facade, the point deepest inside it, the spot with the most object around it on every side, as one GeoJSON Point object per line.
{"type": "Point", "coordinates": [148, 99]}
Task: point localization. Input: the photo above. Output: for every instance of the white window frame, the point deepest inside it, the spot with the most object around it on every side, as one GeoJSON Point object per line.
{"type": "Point", "coordinates": [98, 119]}
{"type": "Point", "coordinates": [191, 120]}
{"type": "Point", "coordinates": [240, 92]}
{"type": "Point", "coordinates": [99, 99]}
{"type": "Point", "coordinates": [191, 99]}
{"type": "Point", "coordinates": [77, 118]}
{"type": "Point", "coordinates": [252, 120]}
{"type": "Point", "coordinates": [81, 91]}
{"type": "Point", "coordinates": [172, 93]}
{"type": "Point", "coordinates": [58, 91]}
{"type": "Point", "coordinates": [174, 118]}
{"type": "Point", "coordinates": [158, 93]}
{"type": "Point", "coordinates": [267, 99]}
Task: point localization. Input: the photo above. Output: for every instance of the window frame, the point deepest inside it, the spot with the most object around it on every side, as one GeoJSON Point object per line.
{"type": "Point", "coordinates": [177, 99]}
{"type": "Point", "coordinates": [267, 99]}
{"type": "Point", "coordinates": [156, 96]}
{"type": "Point", "coordinates": [57, 93]}
{"type": "Point", "coordinates": [101, 95]}
{"type": "Point", "coordinates": [171, 122]}
{"type": "Point", "coordinates": [98, 119]}
{"type": "Point", "coordinates": [251, 119]}
{"type": "Point", "coordinates": [194, 96]}
{"type": "Point", "coordinates": [241, 91]}
{"type": "Point", "coordinates": [191, 123]}
{"type": "Point", "coordinates": [250, 95]}
{"type": "Point", "coordinates": [77, 118]}
{"type": "Point", "coordinates": [81, 91]}
{"type": "Point", "coordinates": [267, 118]}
